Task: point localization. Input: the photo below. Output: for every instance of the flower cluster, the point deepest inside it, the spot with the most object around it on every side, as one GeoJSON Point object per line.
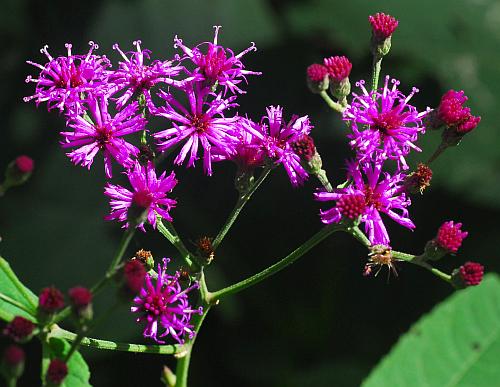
{"type": "Point", "coordinates": [383, 128]}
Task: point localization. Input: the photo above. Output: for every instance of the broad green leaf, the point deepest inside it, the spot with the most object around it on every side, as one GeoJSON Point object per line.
{"type": "Point", "coordinates": [11, 287]}
{"type": "Point", "coordinates": [457, 344]}
{"type": "Point", "coordinates": [79, 373]}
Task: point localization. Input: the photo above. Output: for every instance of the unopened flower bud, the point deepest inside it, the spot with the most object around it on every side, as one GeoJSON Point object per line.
{"type": "Point", "coordinates": [50, 301]}
{"type": "Point", "coordinates": [317, 78]}
{"type": "Point", "coordinates": [56, 372]}
{"type": "Point", "coordinates": [383, 27]}
{"type": "Point", "coordinates": [133, 277]}
{"type": "Point", "coordinates": [17, 172]}
{"type": "Point", "coordinates": [205, 249]}
{"type": "Point", "coordinates": [168, 377]}
{"type": "Point", "coordinates": [447, 241]}
{"type": "Point", "coordinates": [81, 303]}
{"type": "Point", "coordinates": [13, 362]}
{"type": "Point", "coordinates": [146, 258]}
{"type": "Point", "coordinates": [450, 236]}
{"type": "Point", "coordinates": [469, 274]}
{"type": "Point", "coordinates": [19, 329]}
{"type": "Point", "coordinates": [419, 180]}
{"type": "Point", "coordinates": [339, 68]}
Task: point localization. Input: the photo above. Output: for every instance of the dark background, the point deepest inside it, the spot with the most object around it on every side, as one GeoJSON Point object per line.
{"type": "Point", "coordinates": [320, 321]}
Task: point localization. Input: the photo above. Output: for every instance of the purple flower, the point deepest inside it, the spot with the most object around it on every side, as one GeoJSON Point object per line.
{"type": "Point", "coordinates": [149, 195]}
{"type": "Point", "coordinates": [162, 304]}
{"type": "Point", "coordinates": [383, 123]}
{"type": "Point", "coordinates": [134, 76]}
{"type": "Point", "coordinates": [277, 138]}
{"type": "Point", "coordinates": [103, 134]}
{"type": "Point", "coordinates": [367, 197]}
{"type": "Point", "coordinates": [218, 64]}
{"type": "Point", "coordinates": [248, 153]}
{"type": "Point", "coordinates": [203, 123]}
{"type": "Point", "coordinates": [64, 79]}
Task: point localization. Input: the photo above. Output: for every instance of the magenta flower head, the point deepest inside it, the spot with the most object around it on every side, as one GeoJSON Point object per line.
{"type": "Point", "coordinates": [338, 67]}
{"type": "Point", "coordinates": [103, 134]}
{"type": "Point", "coordinates": [135, 76]}
{"type": "Point", "coordinates": [384, 125]}
{"type": "Point", "coordinates": [24, 164]}
{"type": "Point", "coordinates": [12, 362]}
{"type": "Point", "coordinates": [452, 112]}
{"type": "Point", "coordinates": [50, 300]}
{"type": "Point", "coordinates": [64, 79]}
{"type": "Point", "coordinates": [248, 153]}
{"type": "Point", "coordinates": [57, 372]}
{"type": "Point", "coordinates": [148, 196]}
{"type": "Point", "coordinates": [202, 125]}
{"type": "Point", "coordinates": [317, 78]}
{"type": "Point", "coordinates": [367, 197]}
{"type": "Point", "coordinates": [450, 236]}
{"type": "Point", "coordinates": [471, 273]}
{"type": "Point", "coordinates": [218, 64]}
{"type": "Point", "coordinates": [383, 25]}
{"type": "Point", "coordinates": [163, 305]}
{"type": "Point", "coordinates": [277, 137]}
{"type": "Point", "coordinates": [19, 329]}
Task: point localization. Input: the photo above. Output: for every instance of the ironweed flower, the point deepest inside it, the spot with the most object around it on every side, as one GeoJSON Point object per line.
{"type": "Point", "coordinates": [148, 195]}
{"type": "Point", "coordinates": [384, 125]}
{"type": "Point", "coordinates": [63, 80]}
{"type": "Point", "coordinates": [19, 329]}
{"type": "Point", "coordinates": [103, 134]}
{"type": "Point", "coordinates": [163, 305]}
{"type": "Point", "coordinates": [452, 112]}
{"type": "Point", "coordinates": [218, 65]}
{"type": "Point", "coordinates": [368, 196]}
{"type": "Point", "coordinates": [277, 138]}
{"type": "Point", "coordinates": [134, 76]}
{"type": "Point", "coordinates": [203, 123]}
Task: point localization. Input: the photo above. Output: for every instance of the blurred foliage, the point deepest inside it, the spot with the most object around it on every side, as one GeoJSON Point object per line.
{"type": "Point", "coordinates": [319, 322]}
{"type": "Point", "coordinates": [457, 344]}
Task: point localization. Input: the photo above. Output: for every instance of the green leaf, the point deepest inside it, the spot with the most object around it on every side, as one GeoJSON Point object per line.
{"type": "Point", "coordinates": [13, 288]}
{"type": "Point", "coordinates": [78, 370]}
{"type": "Point", "coordinates": [457, 344]}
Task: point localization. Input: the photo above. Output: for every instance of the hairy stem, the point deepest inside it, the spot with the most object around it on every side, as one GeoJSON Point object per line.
{"type": "Point", "coordinates": [242, 200]}
{"type": "Point", "coordinates": [107, 345]}
{"type": "Point", "coordinates": [182, 369]}
{"type": "Point", "coordinates": [331, 103]}
{"type": "Point", "coordinates": [377, 65]}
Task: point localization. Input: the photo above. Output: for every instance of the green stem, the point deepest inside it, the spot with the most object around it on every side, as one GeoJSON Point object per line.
{"type": "Point", "coordinates": [170, 233]}
{"type": "Point", "coordinates": [323, 179]}
{"type": "Point", "coordinates": [45, 360]}
{"type": "Point", "coordinates": [12, 382]}
{"type": "Point", "coordinates": [4, 265]}
{"type": "Point", "coordinates": [377, 65]}
{"type": "Point", "coordinates": [417, 260]}
{"type": "Point", "coordinates": [242, 200]}
{"type": "Point", "coordinates": [331, 103]}
{"type": "Point", "coordinates": [182, 369]}
{"type": "Point", "coordinates": [116, 346]}
{"type": "Point", "coordinates": [359, 235]}
{"type": "Point", "coordinates": [439, 151]}
{"type": "Point", "coordinates": [17, 304]}
{"type": "Point", "coordinates": [280, 265]}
